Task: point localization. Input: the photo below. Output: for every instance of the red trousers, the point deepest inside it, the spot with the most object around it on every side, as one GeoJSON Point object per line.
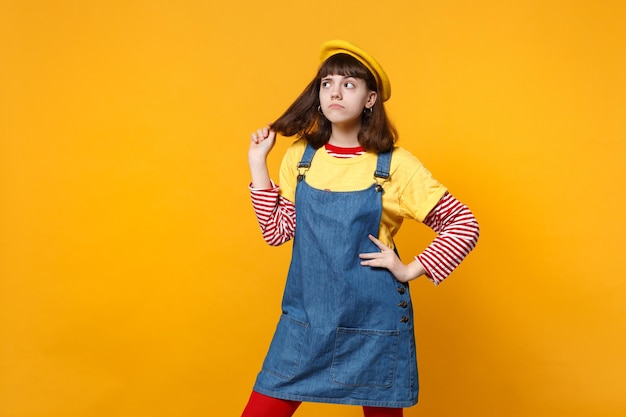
{"type": "Point", "coordinates": [260, 405]}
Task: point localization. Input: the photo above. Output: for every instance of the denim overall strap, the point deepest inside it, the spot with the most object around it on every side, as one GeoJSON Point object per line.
{"type": "Point", "coordinates": [307, 157]}
{"type": "Point", "coordinates": [305, 162]}
{"type": "Point", "coordinates": [382, 166]}
{"type": "Point", "coordinates": [381, 175]}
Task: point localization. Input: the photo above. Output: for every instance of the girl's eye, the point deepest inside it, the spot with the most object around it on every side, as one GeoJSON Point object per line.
{"type": "Point", "coordinates": [349, 84]}
{"type": "Point", "coordinates": [325, 84]}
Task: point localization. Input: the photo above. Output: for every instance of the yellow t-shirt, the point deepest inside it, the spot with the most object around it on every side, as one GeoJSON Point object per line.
{"type": "Point", "coordinates": [411, 191]}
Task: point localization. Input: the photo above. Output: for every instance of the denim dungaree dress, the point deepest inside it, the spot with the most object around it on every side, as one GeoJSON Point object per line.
{"type": "Point", "coordinates": [345, 335]}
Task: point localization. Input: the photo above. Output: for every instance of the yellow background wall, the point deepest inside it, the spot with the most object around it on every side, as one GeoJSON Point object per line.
{"type": "Point", "coordinates": [134, 280]}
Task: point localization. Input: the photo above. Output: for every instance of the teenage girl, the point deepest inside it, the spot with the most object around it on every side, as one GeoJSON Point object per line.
{"type": "Point", "coordinates": [345, 334]}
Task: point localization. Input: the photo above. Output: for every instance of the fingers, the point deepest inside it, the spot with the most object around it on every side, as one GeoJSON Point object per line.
{"type": "Point", "coordinates": [261, 134]}
{"type": "Point", "coordinates": [379, 244]}
{"type": "Point", "coordinates": [385, 251]}
{"type": "Point", "coordinates": [386, 258]}
{"type": "Point", "coordinates": [377, 255]}
{"type": "Point", "coordinates": [258, 136]}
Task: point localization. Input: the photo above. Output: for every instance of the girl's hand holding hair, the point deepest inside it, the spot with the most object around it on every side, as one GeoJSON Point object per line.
{"type": "Point", "coordinates": [387, 258]}
{"type": "Point", "coordinates": [261, 143]}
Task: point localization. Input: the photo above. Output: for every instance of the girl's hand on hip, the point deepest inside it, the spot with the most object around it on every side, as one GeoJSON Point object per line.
{"type": "Point", "coordinates": [388, 259]}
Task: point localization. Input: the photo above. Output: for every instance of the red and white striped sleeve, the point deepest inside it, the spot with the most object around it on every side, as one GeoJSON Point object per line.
{"type": "Point", "coordinates": [276, 215]}
{"type": "Point", "coordinates": [457, 234]}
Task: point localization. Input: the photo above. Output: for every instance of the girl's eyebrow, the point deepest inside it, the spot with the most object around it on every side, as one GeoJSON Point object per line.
{"type": "Point", "coordinates": [343, 77]}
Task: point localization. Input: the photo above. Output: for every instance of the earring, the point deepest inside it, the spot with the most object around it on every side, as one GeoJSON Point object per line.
{"type": "Point", "coordinates": [319, 110]}
{"type": "Point", "coordinates": [365, 111]}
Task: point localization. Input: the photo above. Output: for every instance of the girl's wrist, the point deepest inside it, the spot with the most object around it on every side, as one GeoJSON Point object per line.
{"type": "Point", "coordinates": [257, 161]}
{"type": "Point", "coordinates": [415, 270]}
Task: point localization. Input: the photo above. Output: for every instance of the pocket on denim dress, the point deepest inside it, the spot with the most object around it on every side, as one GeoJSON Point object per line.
{"type": "Point", "coordinates": [365, 357]}
{"type": "Point", "coordinates": [283, 357]}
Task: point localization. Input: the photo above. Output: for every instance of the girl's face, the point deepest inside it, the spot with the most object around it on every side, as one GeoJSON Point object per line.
{"type": "Point", "coordinates": [343, 99]}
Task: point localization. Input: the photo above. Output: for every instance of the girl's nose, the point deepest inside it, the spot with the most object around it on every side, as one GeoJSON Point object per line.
{"type": "Point", "coordinates": [335, 92]}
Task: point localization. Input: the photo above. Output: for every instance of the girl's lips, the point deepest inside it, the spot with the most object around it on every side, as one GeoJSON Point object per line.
{"type": "Point", "coordinates": [335, 106]}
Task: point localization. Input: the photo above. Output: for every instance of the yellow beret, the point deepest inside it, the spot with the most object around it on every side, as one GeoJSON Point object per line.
{"type": "Point", "coordinates": [335, 47]}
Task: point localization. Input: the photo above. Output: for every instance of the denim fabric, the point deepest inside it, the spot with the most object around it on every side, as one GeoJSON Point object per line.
{"type": "Point", "coordinates": [346, 331]}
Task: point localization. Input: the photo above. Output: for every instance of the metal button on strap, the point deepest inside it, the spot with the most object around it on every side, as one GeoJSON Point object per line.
{"type": "Point", "coordinates": [401, 290]}
{"type": "Point", "coordinates": [403, 304]}
{"type": "Point", "coordinates": [404, 319]}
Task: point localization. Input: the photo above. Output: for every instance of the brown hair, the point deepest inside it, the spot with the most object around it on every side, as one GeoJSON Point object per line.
{"type": "Point", "coordinates": [302, 118]}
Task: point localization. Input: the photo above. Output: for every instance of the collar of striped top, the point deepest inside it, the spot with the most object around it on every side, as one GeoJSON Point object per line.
{"type": "Point", "coordinates": [343, 151]}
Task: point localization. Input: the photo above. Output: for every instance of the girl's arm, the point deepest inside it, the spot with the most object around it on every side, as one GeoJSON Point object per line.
{"type": "Point", "coordinates": [457, 233]}
{"type": "Point", "coordinates": [276, 215]}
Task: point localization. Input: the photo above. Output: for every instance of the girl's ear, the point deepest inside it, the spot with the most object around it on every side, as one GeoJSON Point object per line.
{"type": "Point", "coordinates": [371, 99]}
